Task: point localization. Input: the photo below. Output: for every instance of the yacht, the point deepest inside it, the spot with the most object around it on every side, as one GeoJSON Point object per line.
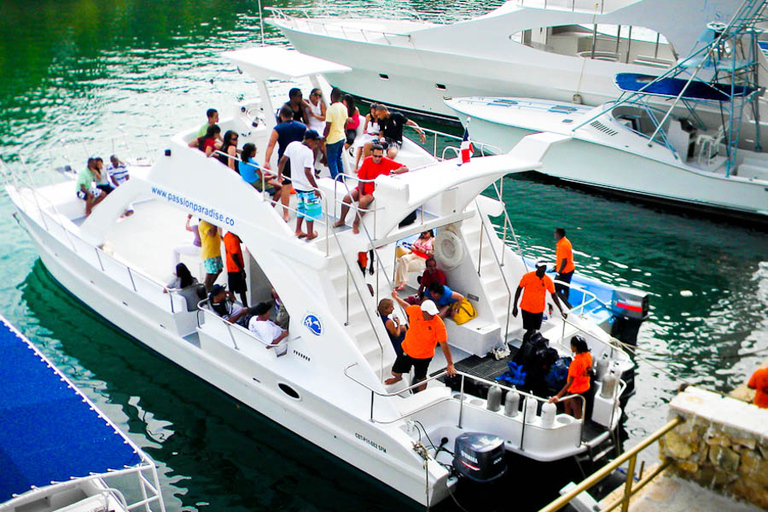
{"type": "Point", "coordinates": [325, 381]}
{"type": "Point", "coordinates": [60, 453]}
{"type": "Point", "coordinates": [562, 50]}
{"type": "Point", "coordinates": [702, 149]}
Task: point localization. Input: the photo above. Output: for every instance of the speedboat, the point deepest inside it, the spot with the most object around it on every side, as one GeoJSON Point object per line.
{"type": "Point", "coordinates": [60, 453]}
{"type": "Point", "coordinates": [325, 381]}
{"type": "Point", "coordinates": [702, 150]}
{"type": "Point", "coordinates": [563, 50]}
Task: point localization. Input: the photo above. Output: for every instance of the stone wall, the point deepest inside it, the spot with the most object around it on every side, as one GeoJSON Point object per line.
{"type": "Point", "coordinates": [722, 445]}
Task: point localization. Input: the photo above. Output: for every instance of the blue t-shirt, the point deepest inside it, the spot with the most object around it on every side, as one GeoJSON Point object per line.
{"type": "Point", "coordinates": [248, 170]}
{"type": "Point", "coordinates": [288, 132]}
{"type": "Point", "coordinates": [445, 298]}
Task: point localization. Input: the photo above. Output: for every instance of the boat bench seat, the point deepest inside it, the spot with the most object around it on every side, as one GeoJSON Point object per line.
{"type": "Point", "coordinates": [434, 393]}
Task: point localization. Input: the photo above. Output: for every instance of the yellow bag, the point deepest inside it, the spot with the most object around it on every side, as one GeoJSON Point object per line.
{"type": "Point", "coordinates": [464, 311]}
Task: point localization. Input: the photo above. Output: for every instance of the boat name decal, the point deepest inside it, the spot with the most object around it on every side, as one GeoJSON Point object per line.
{"type": "Point", "coordinates": [370, 443]}
{"type": "Point", "coordinates": [312, 322]}
{"type": "Point", "coordinates": [195, 207]}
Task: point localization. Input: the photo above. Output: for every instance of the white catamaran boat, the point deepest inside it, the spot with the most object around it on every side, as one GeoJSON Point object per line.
{"type": "Point", "coordinates": [60, 453]}
{"type": "Point", "coordinates": [563, 50]}
{"type": "Point", "coordinates": [702, 150]}
{"type": "Point", "coordinates": [327, 382]}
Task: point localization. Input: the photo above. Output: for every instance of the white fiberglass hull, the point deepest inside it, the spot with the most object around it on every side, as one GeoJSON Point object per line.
{"type": "Point", "coordinates": [417, 65]}
{"type": "Point", "coordinates": [343, 435]}
{"type": "Point", "coordinates": [605, 167]}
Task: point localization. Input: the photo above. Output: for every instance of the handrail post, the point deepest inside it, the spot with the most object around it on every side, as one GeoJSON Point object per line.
{"type": "Point", "coordinates": [522, 431]}
{"type": "Point", "coordinates": [461, 405]}
{"type": "Point", "coordinates": [628, 483]}
{"type": "Point", "coordinates": [347, 322]}
{"type": "Point", "coordinates": [373, 397]}
{"type": "Point", "coordinates": [130, 274]}
{"type": "Point", "coordinates": [480, 250]}
{"type": "Point", "coordinates": [98, 257]}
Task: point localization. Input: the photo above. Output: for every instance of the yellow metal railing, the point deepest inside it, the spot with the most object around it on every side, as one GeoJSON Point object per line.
{"type": "Point", "coordinates": [629, 489]}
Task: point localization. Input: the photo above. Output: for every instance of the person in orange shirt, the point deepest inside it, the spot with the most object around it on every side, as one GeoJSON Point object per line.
{"type": "Point", "coordinates": [563, 265]}
{"type": "Point", "coordinates": [536, 285]}
{"type": "Point", "coordinates": [578, 382]}
{"type": "Point", "coordinates": [235, 266]}
{"type": "Point", "coordinates": [759, 382]}
{"type": "Point", "coordinates": [425, 331]}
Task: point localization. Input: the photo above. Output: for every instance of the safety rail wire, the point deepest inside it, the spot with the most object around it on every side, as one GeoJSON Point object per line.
{"type": "Point", "coordinates": [483, 228]}
{"type": "Point", "coordinates": [629, 489]}
{"type": "Point", "coordinates": [484, 149]}
{"type": "Point", "coordinates": [203, 306]}
{"type": "Point", "coordinates": [463, 375]}
{"type": "Point", "coordinates": [328, 232]}
{"type": "Point", "coordinates": [589, 6]}
{"type": "Point", "coordinates": [507, 223]}
{"type": "Point", "coordinates": [70, 235]}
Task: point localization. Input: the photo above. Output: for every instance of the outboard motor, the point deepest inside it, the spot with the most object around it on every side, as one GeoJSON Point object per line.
{"type": "Point", "coordinates": [479, 457]}
{"type": "Point", "coordinates": [630, 310]}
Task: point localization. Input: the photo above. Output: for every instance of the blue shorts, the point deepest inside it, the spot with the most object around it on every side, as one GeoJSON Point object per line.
{"type": "Point", "coordinates": [213, 265]}
{"type": "Point", "coordinates": [309, 205]}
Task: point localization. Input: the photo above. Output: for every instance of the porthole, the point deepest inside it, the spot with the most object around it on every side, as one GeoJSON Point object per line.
{"type": "Point", "coordinates": [288, 390]}
{"type": "Point", "coordinates": [383, 76]}
{"type": "Point", "coordinates": [440, 87]}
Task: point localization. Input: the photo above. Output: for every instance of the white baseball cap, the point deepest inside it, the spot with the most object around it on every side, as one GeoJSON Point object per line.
{"type": "Point", "coordinates": [541, 262]}
{"type": "Point", "coordinates": [429, 307]}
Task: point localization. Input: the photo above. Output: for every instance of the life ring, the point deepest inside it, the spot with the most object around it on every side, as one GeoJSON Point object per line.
{"type": "Point", "coordinates": [449, 249]}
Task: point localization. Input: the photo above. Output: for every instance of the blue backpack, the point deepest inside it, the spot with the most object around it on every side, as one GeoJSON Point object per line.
{"type": "Point", "coordinates": [558, 375]}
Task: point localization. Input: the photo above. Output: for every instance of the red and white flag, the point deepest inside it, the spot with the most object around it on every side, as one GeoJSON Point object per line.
{"type": "Point", "coordinates": [466, 147]}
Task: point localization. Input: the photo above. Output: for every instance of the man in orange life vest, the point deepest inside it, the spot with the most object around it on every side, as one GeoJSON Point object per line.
{"type": "Point", "coordinates": [563, 265]}
{"type": "Point", "coordinates": [536, 286]}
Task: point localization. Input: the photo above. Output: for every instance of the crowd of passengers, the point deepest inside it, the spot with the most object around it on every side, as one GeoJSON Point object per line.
{"type": "Point", "coordinates": [308, 132]}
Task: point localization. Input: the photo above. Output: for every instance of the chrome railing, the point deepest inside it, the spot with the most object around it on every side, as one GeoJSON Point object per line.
{"type": "Point", "coordinates": [204, 308]}
{"type": "Point", "coordinates": [71, 238]}
{"type": "Point", "coordinates": [459, 422]}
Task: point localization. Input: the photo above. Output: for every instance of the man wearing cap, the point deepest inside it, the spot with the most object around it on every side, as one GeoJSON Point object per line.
{"type": "Point", "coordinates": [563, 265]}
{"type": "Point", "coordinates": [536, 285]}
{"type": "Point", "coordinates": [302, 157]}
{"type": "Point", "coordinates": [263, 327]}
{"type": "Point", "coordinates": [426, 329]}
{"type": "Point", "coordinates": [223, 304]}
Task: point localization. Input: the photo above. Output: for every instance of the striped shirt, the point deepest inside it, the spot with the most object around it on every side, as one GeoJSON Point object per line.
{"type": "Point", "coordinates": [120, 174]}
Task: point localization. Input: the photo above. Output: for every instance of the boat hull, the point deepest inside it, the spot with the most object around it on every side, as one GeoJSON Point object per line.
{"type": "Point", "coordinates": [351, 439]}
{"type": "Point", "coordinates": [420, 80]}
{"type": "Point", "coordinates": [611, 169]}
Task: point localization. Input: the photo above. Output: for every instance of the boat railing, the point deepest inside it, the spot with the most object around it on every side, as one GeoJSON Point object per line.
{"type": "Point", "coordinates": [507, 234]}
{"type": "Point", "coordinates": [118, 271]}
{"type": "Point", "coordinates": [234, 330]}
{"type": "Point", "coordinates": [484, 229]}
{"type": "Point", "coordinates": [438, 150]}
{"type": "Point", "coordinates": [631, 487]}
{"type": "Point", "coordinates": [588, 6]}
{"type": "Point", "coordinates": [460, 419]}
{"type": "Point", "coordinates": [330, 232]}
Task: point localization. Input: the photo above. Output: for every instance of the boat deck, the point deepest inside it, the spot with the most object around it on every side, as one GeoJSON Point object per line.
{"type": "Point", "coordinates": [51, 432]}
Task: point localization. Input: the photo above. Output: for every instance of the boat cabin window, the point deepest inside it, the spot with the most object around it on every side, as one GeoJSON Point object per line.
{"type": "Point", "coordinates": [609, 42]}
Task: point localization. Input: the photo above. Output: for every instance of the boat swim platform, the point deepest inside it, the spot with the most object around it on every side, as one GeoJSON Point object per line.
{"type": "Point", "coordinates": [51, 431]}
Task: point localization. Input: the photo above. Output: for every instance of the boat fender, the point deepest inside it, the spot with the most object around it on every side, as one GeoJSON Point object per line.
{"type": "Point", "coordinates": [449, 249]}
{"type": "Point", "coordinates": [548, 412]}
{"type": "Point", "coordinates": [609, 385]}
{"type": "Point", "coordinates": [530, 409]}
{"type": "Point", "coordinates": [494, 399]}
{"type": "Point", "coordinates": [512, 404]}
{"type": "Point", "coordinates": [601, 367]}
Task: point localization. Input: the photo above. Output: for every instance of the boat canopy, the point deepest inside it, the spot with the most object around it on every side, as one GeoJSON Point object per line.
{"type": "Point", "coordinates": [264, 62]}
{"type": "Point", "coordinates": [51, 432]}
{"type": "Point", "coordinates": [672, 87]}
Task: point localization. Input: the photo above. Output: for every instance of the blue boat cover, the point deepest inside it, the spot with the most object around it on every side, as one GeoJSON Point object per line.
{"type": "Point", "coordinates": [672, 87]}
{"type": "Point", "coordinates": [48, 431]}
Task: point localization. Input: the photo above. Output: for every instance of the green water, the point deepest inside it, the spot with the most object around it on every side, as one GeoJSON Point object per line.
{"type": "Point", "coordinates": [84, 76]}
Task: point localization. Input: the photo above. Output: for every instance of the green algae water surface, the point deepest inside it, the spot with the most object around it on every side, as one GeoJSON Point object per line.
{"type": "Point", "coordinates": [88, 76]}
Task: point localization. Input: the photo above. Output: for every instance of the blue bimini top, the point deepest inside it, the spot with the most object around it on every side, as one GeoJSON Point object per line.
{"type": "Point", "coordinates": [49, 431]}
{"type": "Point", "coordinates": [672, 87]}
